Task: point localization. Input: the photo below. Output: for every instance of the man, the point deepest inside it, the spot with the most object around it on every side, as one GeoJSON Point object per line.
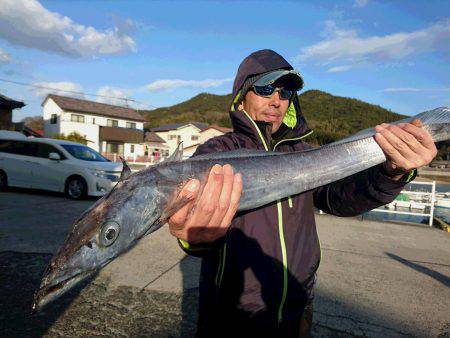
{"type": "Point", "coordinates": [259, 266]}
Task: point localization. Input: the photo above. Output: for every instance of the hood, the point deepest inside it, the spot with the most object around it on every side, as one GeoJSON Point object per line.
{"type": "Point", "coordinates": [262, 61]}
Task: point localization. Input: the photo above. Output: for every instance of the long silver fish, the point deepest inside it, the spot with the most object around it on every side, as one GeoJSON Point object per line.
{"type": "Point", "coordinates": [140, 203]}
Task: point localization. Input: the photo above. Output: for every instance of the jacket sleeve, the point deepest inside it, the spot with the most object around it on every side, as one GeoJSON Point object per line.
{"type": "Point", "coordinates": [360, 192]}
{"type": "Point", "coordinates": [213, 145]}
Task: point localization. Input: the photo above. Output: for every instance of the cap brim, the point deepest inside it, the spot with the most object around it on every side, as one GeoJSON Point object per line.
{"type": "Point", "coordinates": [292, 77]}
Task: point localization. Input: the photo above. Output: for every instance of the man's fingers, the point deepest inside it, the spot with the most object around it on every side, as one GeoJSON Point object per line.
{"type": "Point", "coordinates": [224, 199]}
{"type": "Point", "coordinates": [234, 200]}
{"type": "Point", "coordinates": [189, 191]}
{"type": "Point", "coordinates": [391, 152]}
{"type": "Point", "coordinates": [209, 199]}
{"type": "Point", "coordinates": [403, 153]}
{"type": "Point", "coordinates": [421, 135]}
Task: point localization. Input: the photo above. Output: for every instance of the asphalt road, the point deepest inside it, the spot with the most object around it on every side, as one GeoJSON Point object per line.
{"type": "Point", "coordinates": [375, 279]}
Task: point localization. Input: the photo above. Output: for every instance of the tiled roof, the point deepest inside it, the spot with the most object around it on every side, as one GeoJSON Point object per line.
{"type": "Point", "coordinates": [10, 103]}
{"type": "Point", "coordinates": [219, 128]}
{"type": "Point", "coordinates": [126, 135]}
{"type": "Point", "coordinates": [173, 126]}
{"type": "Point", "coordinates": [85, 106]}
{"type": "Point", "coordinates": [152, 137]}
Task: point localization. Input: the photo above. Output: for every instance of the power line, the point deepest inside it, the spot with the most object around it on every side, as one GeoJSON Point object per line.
{"type": "Point", "coordinates": [78, 93]}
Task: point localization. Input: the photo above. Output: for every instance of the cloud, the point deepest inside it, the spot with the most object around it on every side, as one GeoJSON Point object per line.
{"type": "Point", "coordinates": [339, 69]}
{"type": "Point", "coordinates": [174, 84]}
{"type": "Point", "coordinates": [412, 89]}
{"type": "Point", "coordinates": [60, 88]}
{"type": "Point", "coordinates": [113, 96]}
{"type": "Point", "coordinates": [345, 46]}
{"type": "Point", "coordinates": [360, 3]}
{"type": "Point", "coordinates": [4, 57]}
{"type": "Point", "coordinates": [27, 23]}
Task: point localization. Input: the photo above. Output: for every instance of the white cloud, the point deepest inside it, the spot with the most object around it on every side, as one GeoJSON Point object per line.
{"type": "Point", "coordinates": [360, 3]}
{"type": "Point", "coordinates": [4, 57]}
{"type": "Point", "coordinates": [113, 96]}
{"type": "Point", "coordinates": [339, 69]}
{"type": "Point", "coordinates": [27, 23]}
{"type": "Point", "coordinates": [60, 88]}
{"type": "Point", "coordinates": [174, 84]}
{"type": "Point", "coordinates": [412, 89]}
{"type": "Point", "coordinates": [345, 46]}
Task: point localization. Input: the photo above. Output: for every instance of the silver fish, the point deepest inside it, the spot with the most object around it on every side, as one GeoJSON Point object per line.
{"type": "Point", "coordinates": [140, 203]}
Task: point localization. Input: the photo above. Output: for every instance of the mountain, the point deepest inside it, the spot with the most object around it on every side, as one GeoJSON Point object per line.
{"type": "Point", "coordinates": [331, 117]}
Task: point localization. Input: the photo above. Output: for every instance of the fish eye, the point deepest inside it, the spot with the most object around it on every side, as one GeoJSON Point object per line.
{"type": "Point", "coordinates": [109, 233]}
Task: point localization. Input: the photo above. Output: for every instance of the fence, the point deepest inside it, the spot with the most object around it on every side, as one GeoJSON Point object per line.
{"type": "Point", "coordinates": [415, 196]}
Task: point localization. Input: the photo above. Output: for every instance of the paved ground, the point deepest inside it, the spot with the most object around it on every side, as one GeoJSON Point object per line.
{"type": "Point", "coordinates": [375, 279]}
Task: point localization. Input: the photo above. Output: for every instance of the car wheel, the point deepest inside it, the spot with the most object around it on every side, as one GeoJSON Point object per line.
{"type": "Point", "coordinates": [76, 188]}
{"type": "Point", "coordinates": [3, 181]}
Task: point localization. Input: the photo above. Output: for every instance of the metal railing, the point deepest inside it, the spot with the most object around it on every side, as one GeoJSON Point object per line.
{"type": "Point", "coordinates": [420, 196]}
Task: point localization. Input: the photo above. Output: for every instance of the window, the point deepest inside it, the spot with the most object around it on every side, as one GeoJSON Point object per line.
{"type": "Point", "coordinates": [172, 137]}
{"type": "Point", "coordinates": [132, 148]}
{"type": "Point", "coordinates": [77, 118]}
{"type": "Point", "coordinates": [44, 150]}
{"type": "Point", "coordinates": [18, 148]}
{"type": "Point", "coordinates": [84, 153]}
{"type": "Point", "coordinates": [114, 148]}
{"type": "Point", "coordinates": [194, 138]}
{"type": "Point", "coordinates": [112, 123]}
{"type": "Point", "coordinates": [93, 120]}
{"type": "Point", "coordinates": [53, 119]}
{"type": "Point", "coordinates": [131, 125]}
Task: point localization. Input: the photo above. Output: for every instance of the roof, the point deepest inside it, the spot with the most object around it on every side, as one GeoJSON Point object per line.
{"type": "Point", "coordinates": [153, 137]}
{"type": "Point", "coordinates": [174, 126]}
{"type": "Point", "coordinates": [126, 135]}
{"type": "Point", "coordinates": [10, 103]}
{"type": "Point", "coordinates": [219, 128]}
{"type": "Point", "coordinates": [91, 107]}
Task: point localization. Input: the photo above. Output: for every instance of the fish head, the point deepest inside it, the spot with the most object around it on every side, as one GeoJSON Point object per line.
{"type": "Point", "coordinates": [104, 231]}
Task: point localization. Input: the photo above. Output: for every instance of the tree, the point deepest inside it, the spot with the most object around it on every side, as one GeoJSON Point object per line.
{"type": "Point", "coordinates": [34, 122]}
{"type": "Point", "coordinates": [73, 136]}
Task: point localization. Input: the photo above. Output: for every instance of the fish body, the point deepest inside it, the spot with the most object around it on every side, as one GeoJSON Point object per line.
{"type": "Point", "coordinates": [140, 203]}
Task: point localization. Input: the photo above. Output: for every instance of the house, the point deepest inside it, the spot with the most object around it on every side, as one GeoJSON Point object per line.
{"type": "Point", "coordinates": [6, 107]}
{"type": "Point", "coordinates": [173, 134]}
{"type": "Point", "coordinates": [109, 129]}
{"type": "Point", "coordinates": [192, 134]}
{"type": "Point", "coordinates": [156, 148]}
{"type": "Point", "coordinates": [213, 131]}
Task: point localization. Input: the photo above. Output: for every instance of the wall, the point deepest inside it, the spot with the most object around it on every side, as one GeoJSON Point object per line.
{"type": "Point", "coordinates": [5, 118]}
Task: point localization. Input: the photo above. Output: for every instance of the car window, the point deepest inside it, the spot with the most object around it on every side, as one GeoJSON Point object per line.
{"type": "Point", "coordinates": [84, 153]}
{"type": "Point", "coordinates": [5, 146]}
{"type": "Point", "coordinates": [45, 149]}
{"type": "Point", "coordinates": [25, 148]}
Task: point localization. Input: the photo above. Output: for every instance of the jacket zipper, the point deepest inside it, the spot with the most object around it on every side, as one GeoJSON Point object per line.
{"type": "Point", "coordinates": [282, 241]}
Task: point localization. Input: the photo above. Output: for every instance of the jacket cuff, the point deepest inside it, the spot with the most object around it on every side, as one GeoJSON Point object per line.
{"type": "Point", "coordinates": [198, 249]}
{"type": "Point", "coordinates": [388, 183]}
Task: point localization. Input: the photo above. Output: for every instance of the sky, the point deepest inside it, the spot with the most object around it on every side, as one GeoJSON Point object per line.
{"type": "Point", "coordinates": [395, 54]}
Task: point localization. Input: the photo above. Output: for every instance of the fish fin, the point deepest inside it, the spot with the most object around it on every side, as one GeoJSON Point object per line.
{"type": "Point", "coordinates": [174, 207]}
{"type": "Point", "coordinates": [169, 211]}
{"type": "Point", "coordinates": [126, 171]}
{"type": "Point", "coordinates": [177, 154]}
{"type": "Point", "coordinates": [235, 153]}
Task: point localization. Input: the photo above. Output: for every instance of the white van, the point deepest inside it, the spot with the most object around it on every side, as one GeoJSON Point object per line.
{"type": "Point", "coordinates": [55, 165]}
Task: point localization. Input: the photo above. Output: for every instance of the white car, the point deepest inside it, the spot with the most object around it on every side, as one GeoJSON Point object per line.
{"type": "Point", "coordinates": [56, 165]}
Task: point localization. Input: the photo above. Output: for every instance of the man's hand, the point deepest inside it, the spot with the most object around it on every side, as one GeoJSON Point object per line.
{"type": "Point", "coordinates": [206, 219]}
{"type": "Point", "coordinates": [406, 145]}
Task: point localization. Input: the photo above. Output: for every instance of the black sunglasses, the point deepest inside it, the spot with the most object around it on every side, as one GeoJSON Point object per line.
{"type": "Point", "coordinates": [268, 90]}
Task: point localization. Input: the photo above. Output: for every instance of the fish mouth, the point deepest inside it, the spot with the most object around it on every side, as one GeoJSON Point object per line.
{"type": "Point", "coordinates": [48, 293]}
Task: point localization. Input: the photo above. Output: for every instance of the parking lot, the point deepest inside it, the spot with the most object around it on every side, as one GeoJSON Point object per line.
{"type": "Point", "coordinates": [375, 279]}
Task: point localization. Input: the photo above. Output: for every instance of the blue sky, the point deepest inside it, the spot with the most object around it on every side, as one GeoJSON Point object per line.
{"type": "Point", "coordinates": [394, 54]}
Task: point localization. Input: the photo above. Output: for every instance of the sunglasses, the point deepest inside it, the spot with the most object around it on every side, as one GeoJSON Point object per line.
{"type": "Point", "coordinates": [268, 90]}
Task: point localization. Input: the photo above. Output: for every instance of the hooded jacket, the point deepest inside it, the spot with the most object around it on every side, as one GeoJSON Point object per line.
{"type": "Point", "coordinates": [260, 276]}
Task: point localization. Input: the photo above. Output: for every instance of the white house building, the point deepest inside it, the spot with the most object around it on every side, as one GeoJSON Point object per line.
{"type": "Point", "coordinates": [173, 134]}
{"type": "Point", "coordinates": [109, 129]}
{"type": "Point", "coordinates": [192, 134]}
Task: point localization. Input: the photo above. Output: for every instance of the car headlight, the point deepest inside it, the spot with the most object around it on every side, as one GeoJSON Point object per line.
{"type": "Point", "coordinates": [106, 175]}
